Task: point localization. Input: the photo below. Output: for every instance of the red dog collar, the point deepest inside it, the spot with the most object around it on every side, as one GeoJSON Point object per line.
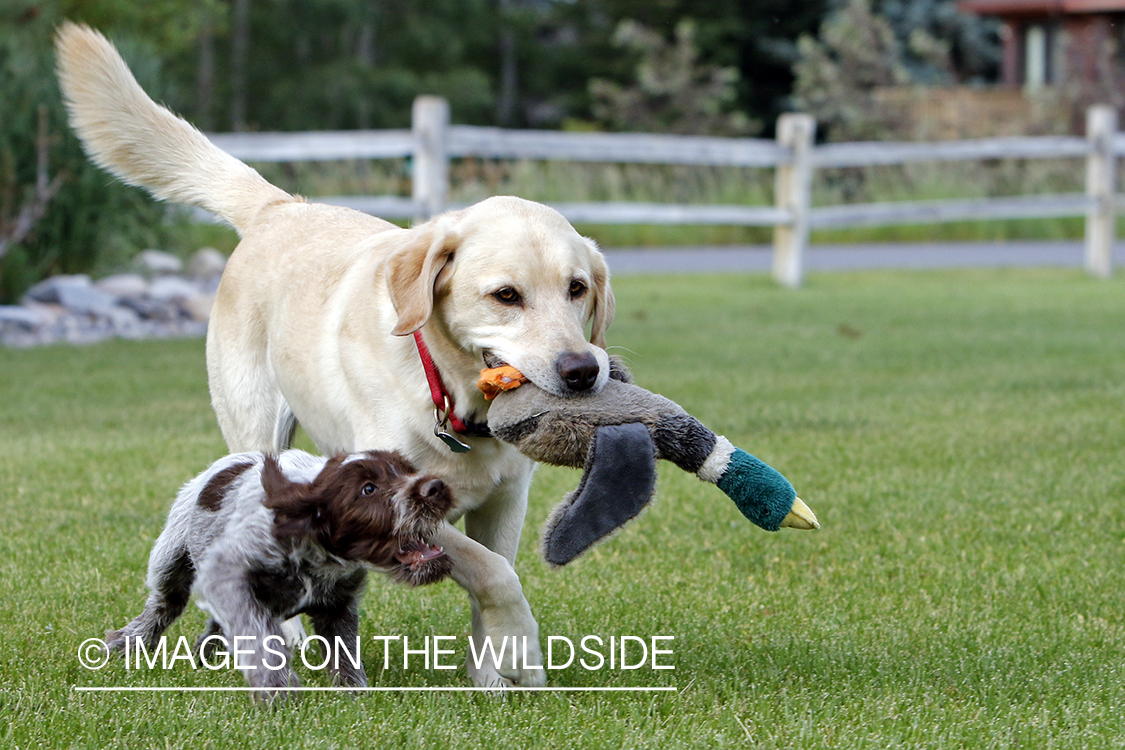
{"type": "Point", "coordinates": [443, 404]}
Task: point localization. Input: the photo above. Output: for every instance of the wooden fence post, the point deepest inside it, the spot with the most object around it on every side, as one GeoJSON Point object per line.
{"type": "Point", "coordinates": [793, 193]}
{"type": "Point", "coordinates": [1101, 186]}
{"type": "Point", "coordinates": [431, 159]}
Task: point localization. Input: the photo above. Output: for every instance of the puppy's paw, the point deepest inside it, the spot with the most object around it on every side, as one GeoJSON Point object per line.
{"type": "Point", "coordinates": [294, 632]}
{"type": "Point", "coordinates": [271, 684]}
{"type": "Point", "coordinates": [115, 639]}
{"type": "Point", "coordinates": [272, 698]}
{"type": "Point", "coordinates": [127, 637]}
{"type": "Point", "coordinates": [349, 677]}
{"type": "Point", "coordinates": [210, 641]}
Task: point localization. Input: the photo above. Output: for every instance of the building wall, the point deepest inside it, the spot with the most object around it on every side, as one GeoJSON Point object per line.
{"type": "Point", "coordinates": [1079, 48]}
{"type": "Point", "coordinates": [954, 112]}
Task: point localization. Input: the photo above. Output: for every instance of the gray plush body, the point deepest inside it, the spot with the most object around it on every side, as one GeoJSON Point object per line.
{"type": "Point", "coordinates": [560, 431]}
{"type": "Point", "coordinates": [616, 435]}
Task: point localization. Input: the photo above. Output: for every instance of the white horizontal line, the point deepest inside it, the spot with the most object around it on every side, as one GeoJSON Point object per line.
{"type": "Point", "coordinates": [247, 689]}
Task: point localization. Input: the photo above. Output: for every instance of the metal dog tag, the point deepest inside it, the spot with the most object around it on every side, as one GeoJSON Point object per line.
{"type": "Point", "coordinates": [450, 441]}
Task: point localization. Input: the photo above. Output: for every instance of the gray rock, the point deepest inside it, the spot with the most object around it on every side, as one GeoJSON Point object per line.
{"type": "Point", "coordinates": [80, 334]}
{"type": "Point", "coordinates": [50, 313]}
{"type": "Point", "coordinates": [207, 263]}
{"type": "Point", "coordinates": [20, 339]}
{"type": "Point", "coordinates": [151, 309]}
{"type": "Point", "coordinates": [168, 288]}
{"type": "Point", "coordinates": [157, 263]}
{"type": "Point", "coordinates": [86, 299]}
{"type": "Point", "coordinates": [123, 285]}
{"type": "Point", "coordinates": [74, 310]}
{"type": "Point", "coordinates": [24, 318]}
{"type": "Point", "coordinates": [123, 320]}
{"type": "Point", "coordinates": [47, 290]}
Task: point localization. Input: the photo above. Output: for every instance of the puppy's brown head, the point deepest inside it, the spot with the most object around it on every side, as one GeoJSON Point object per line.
{"type": "Point", "coordinates": [372, 507]}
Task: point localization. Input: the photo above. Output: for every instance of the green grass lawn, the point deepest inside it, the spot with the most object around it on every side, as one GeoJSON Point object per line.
{"type": "Point", "coordinates": [959, 434]}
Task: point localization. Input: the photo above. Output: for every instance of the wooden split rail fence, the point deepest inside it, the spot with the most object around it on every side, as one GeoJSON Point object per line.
{"type": "Point", "coordinates": [794, 154]}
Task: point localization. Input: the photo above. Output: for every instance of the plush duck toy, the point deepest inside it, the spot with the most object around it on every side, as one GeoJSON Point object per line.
{"type": "Point", "coordinates": [615, 436]}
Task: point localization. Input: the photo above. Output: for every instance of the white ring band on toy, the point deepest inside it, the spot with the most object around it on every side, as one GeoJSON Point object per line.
{"type": "Point", "coordinates": [716, 464]}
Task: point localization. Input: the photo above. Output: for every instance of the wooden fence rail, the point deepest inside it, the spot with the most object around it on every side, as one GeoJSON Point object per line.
{"type": "Point", "coordinates": [795, 156]}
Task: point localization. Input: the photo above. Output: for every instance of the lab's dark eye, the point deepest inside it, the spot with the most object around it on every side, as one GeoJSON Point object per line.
{"type": "Point", "coordinates": [507, 296]}
{"type": "Point", "coordinates": [368, 489]}
{"type": "Point", "coordinates": [577, 289]}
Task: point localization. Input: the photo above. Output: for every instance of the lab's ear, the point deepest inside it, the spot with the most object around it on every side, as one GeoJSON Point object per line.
{"type": "Point", "coordinates": [604, 302]}
{"type": "Point", "coordinates": [412, 273]}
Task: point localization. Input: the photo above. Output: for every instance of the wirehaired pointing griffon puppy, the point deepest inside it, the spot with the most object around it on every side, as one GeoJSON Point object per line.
{"type": "Point", "coordinates": [260, 539]}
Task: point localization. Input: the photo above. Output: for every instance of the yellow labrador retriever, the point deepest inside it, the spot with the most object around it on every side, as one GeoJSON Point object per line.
{"type": "Point", "coordinates": [312, 324]}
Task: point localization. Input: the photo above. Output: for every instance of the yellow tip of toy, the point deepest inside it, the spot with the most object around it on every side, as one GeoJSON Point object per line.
{"type": "Point", "coordinates": [800, 517]}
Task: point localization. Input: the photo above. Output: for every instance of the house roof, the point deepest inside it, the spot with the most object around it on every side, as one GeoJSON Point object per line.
{"type": "Point", "coordinates": [1039, 7]}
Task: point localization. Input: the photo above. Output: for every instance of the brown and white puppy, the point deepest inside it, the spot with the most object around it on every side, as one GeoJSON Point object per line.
{"type": "Point", "coordinates": [313, 317]}
{"type": "Point", "coordinates": [261, 539]}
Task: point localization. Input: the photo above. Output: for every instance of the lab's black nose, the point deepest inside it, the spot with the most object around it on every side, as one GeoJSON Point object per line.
{"type": "Point", "coordinates": [578, 371]}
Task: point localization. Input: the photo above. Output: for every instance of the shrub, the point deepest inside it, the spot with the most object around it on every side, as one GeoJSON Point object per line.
{"type": "Point", "coordinates": [91, 222]}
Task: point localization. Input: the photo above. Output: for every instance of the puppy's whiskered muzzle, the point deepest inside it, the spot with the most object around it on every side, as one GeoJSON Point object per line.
{"type": "Point", "coordinates": [421, 506]}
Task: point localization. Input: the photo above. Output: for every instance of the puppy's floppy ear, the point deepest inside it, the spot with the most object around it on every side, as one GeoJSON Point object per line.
{"type": "Point", "coordinates": [412, 273]}
{"type": "Point", "coordinates": [297, 507]}
{"type": "Point", "coordinates": [604, 302]}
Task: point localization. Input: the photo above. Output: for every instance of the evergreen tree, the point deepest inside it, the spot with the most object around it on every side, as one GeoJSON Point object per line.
{"type": "Point", "coordinates": [673, 91]}
{"type": "Point", "coordinates": [972, 41]}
